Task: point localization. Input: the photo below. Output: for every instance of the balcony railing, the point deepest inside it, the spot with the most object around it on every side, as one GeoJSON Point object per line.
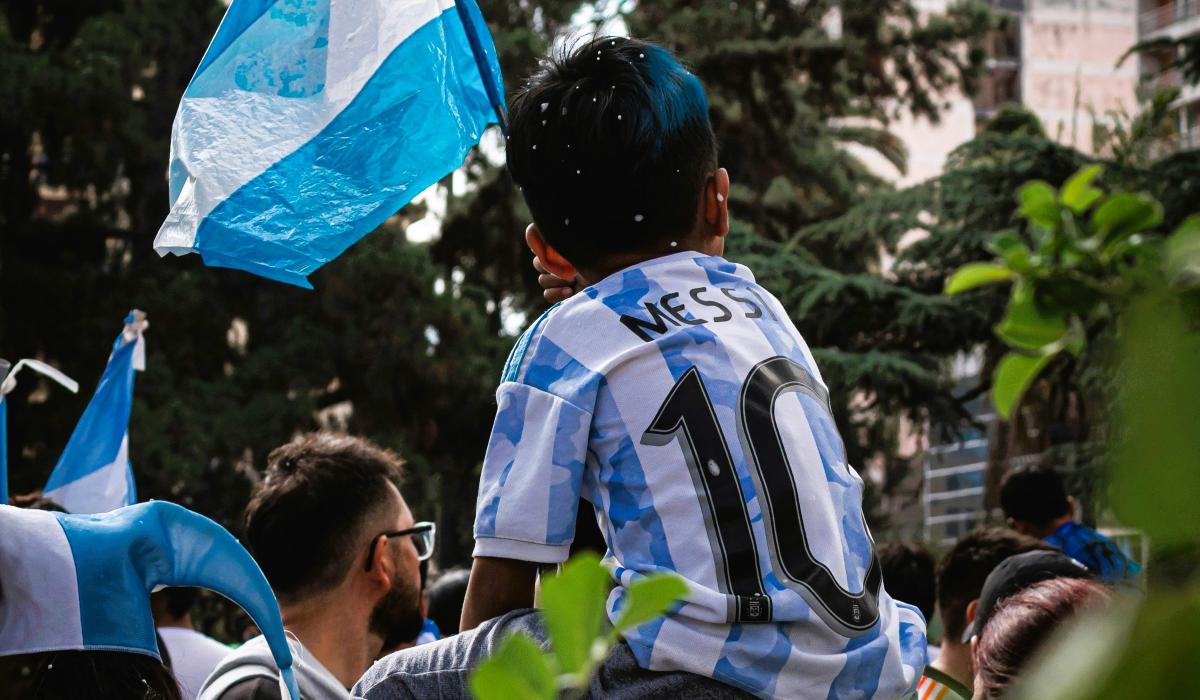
{"type": "Point", "coordinates": [1153, 82]}
{"type": "Point", "coordinates": [1165, 15]}
{"type": "Point", "coordinates": [1190, 140]}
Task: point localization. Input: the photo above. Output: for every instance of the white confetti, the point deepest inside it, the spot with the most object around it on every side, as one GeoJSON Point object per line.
{"type": "Point", "coordinates": [545, 106]}
{"type": "Point", "coordinates": [674, 244]}
{"type": "Point", "coordinates": [618, 116]}
{"type": "Point", "coordinates": [638, 218]}
{"type": "Point", "coordinates": [720, 197]}
{"type": "Point", "coordinates": [566, 222]}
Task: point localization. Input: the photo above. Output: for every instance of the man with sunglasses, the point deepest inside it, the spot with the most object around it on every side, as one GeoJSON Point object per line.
{"type": "Point", "coordinates": [342, 551]}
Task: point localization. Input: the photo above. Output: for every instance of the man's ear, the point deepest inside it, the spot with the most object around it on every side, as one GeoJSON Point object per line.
{"type": "Point", "coordinates": [382, 564]}
{"type": "Point", "coordinates": [716, 203]}
{"type": "Point", "coordinates": [551, 259]}
{"type": "Point", "coordinates": [972, 609]}
{"type": "Point", "coordinates": [1072, 507]}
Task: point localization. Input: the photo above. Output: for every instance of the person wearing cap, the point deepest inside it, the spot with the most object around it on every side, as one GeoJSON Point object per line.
{"type": "Point", "coordinates": [960, 577]}
{"type": "Point", "coordinates": [1020, 625]}
{"type": "Point", "coordinates": [342, 552]}
{"type": "Point", "coordinates": [1036, 503]}
{"type": "Point", "coordinates": [75, 616]}
{"type": "Point", "coordinates": [1017, 573]}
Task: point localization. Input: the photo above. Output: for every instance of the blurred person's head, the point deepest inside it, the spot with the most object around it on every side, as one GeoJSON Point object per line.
{"type": "Point", "coordinates": [963, 570]}
{"type": "Point", "coordinates": [961, 574]}
{"type": "Point", "coordinates": [446, 595]}
{"type": "Point", "coordinates": [908, 575]}
{"type": "Point", "coordinates": [1017, 573]}
{"type": "Point", "coordinates": [317, 524]}
{"type": "Point", "coordinates": [1020, 625]}
{"type": "Point", "coordinates": [1035, 501]}
{"type": "Point", "coordinates": [611, 145]}
{"type": "Point", "coordinates": [91, 674]}
{"type": "Point", "coordinates": [172, 607]}
{"type": "Point", "coordinates": [35, 501]}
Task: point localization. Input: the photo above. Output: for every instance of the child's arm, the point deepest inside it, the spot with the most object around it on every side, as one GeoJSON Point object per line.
{"type": "Point", "coordinates": [497, 586]}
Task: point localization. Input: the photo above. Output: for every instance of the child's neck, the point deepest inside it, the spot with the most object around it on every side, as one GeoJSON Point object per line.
{"type": "Point", "coordinates": [616, 263]}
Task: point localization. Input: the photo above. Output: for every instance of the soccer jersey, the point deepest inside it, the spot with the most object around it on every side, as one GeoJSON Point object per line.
{"type": "Point", "coordinates": [936, 685]}
{"type": "Point", "coordinates": [678, 399]}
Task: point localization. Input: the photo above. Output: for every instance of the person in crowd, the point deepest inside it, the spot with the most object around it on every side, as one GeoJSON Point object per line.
{"type": "Point", "coordinates": [193, 655]}
{"type": "Point", "coordinates": [35, 501]}
{"type": "Point", "coordinates": [446, 595]}
{"type": "Point", "coordinates": [908, 573]}
{"type": "Point", "coordinates": [75, 619]}
{"type": "Point", "coordinates": [960, 577]}
{"type": "Point", "coordinates": [342, 552]}
{"type": "Point", "coordinates": [1020, 625]}
{"type": "Point", "coordinates": [675, 396]}
{"type": "Point", "coordinates": [1036, 503]}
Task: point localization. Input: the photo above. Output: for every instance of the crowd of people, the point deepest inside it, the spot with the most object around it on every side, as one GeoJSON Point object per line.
{"type": "Point", "coordinates": [668, 393]}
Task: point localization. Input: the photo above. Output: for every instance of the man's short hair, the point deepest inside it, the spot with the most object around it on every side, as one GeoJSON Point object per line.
{"type": "Point", "coordinates": [305, 520]}
{"type": "Point", "coordinates": [908, 575]}
{"type": "Point", "coordinates": [611, 144]}
{"type": "Point", "coordinates": [963, 569]}
{"type": "Point", "coordinates": [1034, 495]}
{"type": "Point", "coordinates": [35, 501]}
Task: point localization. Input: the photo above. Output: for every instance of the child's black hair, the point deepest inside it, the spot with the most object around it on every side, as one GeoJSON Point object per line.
{"type": "Point", "coordinates": [611, 145]}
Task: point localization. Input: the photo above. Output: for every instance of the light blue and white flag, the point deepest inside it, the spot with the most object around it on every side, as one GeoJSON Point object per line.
{"type": "Point", "coordinates": [84, 581]}
{"type": "Point", "coordinates": [93, 474]}
{"type": "Point", "coordinates": [8, 382]}
{"type": "Point", "coordinates": [310, 122]}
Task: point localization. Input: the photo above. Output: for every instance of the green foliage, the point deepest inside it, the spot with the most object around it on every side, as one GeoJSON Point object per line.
{"type": "Point", "coordinates": [573, 605]}
{"type": "Point", "coordinates": [1146, 648]}
{"type": "Point", "coordinates": [1073, 274]}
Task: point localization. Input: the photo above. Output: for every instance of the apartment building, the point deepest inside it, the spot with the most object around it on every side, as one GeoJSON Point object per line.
{"type": "Point", "coordinates": [1170, 20]}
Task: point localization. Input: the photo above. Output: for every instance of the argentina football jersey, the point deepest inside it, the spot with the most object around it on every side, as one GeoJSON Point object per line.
{"type": "Point", "coordinates": [679, 400]}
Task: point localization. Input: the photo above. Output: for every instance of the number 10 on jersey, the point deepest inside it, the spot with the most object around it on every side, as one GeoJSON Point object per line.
{"type": "Point", "coordinates": [687, 415]}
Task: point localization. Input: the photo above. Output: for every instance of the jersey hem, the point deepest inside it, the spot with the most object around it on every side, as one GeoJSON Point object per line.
{"type": "Point", "coordinates": [521, 550]}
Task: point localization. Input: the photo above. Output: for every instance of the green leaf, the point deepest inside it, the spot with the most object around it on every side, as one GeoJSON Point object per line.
{"type": "Point", "coordinates": [1013, 376]}
{"type": "Point", "coordinates": [519, 669]}
{"type": "Point", "coordinates": [1078, 193]}
{"type": "Point", "coordinates": [1125, 214]}
{"type": "Point", "coordinates": [976, 275]}
{"type": "Point", "coordinates": [1155, 479]}
{"type": "Point", "coordinates": [573, 604]}
{"type": "Point", "coordinates": [1012, 250]}
{"type": "Point", "coordinates": [648, 598]}
{"type": "Point", "coordinates": [1025, 325]}
{"type": "Point", "coordinates": [1183, 255]}
{"type": "Point", "coordinates": [1039, 204]}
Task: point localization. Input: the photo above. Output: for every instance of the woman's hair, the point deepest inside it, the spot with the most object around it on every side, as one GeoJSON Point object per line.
{"type": "Point", "coordinates": [97, 675]}
{"type": "Point", "coordinates": [1022, 622]}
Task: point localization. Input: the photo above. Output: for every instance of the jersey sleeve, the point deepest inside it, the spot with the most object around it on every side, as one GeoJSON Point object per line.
{"type": "Point", "coordinates": [532, 476]}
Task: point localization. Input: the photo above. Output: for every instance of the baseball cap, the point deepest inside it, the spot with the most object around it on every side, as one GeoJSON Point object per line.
{"type": "Point", "coordinates": [1017, 573]}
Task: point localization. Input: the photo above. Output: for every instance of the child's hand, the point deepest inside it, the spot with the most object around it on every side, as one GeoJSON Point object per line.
{"type": "Point", "coordinates": [554, 289]}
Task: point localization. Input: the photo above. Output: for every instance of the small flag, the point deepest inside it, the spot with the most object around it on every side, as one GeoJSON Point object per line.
{"type": "Point", "coordinates": [308, 124]}
{"type": "Point", "coordinates": [8, 382]}
{"type": "Point", "coordinates": [93, 474]}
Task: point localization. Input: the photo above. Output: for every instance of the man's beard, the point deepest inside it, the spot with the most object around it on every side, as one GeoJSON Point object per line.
{"type": "Point", "coordinates": [397, 616]}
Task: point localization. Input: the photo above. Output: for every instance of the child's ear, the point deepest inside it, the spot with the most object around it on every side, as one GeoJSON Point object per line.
{"type": "Point", "coordinates": [551, 259]}
{"type": "Point", "coordinates": [716, 203]}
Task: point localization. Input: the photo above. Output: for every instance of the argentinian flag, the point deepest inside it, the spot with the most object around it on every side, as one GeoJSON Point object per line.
{"type": "Point", "coordinates": [310, 122]}
{"type": "Point", "coordinates": [93, 474]}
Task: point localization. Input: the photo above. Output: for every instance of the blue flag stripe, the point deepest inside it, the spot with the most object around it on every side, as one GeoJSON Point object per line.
{"type": "Point", "coordinates": [412, 122]}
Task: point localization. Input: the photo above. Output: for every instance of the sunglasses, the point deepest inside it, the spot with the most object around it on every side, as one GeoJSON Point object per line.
{"type": "Point", "coordinates": [422, 535]}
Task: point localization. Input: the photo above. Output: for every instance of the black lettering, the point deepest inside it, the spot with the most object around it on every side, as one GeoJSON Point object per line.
{"type": "Point", "coordinates": [764, 303]}
{"type": "Point", "coordinates": [658, 324]}
{"type": "Point", "coordinates": [677, 310]}
{"type": "Point", "coordinates": [724, 311]}
{"type": "Point", "coordinates": [755, 312]}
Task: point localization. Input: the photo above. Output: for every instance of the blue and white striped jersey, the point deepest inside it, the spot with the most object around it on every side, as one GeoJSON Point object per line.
{"type": "Point", "coordinates": [678, 398]}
